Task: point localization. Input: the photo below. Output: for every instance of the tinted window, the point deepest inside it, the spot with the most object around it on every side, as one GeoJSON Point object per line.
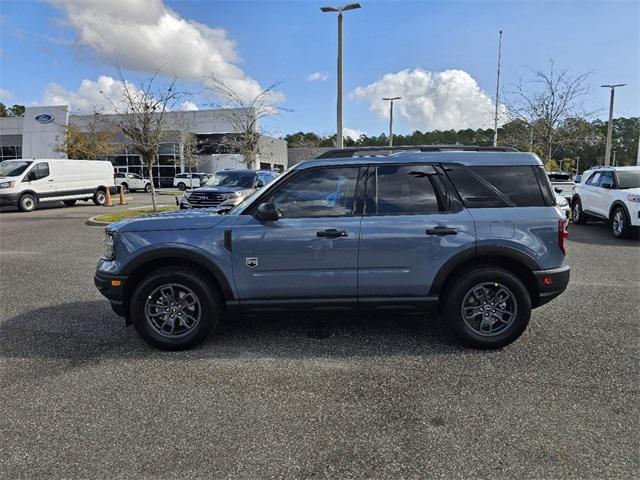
{"type": "Point", "coordinates": [401, 190]}
{"type": "Point", "coordinates": [628, 178]}
{"type": "Point", "coordinates": [41, 170]}
{"type": "Point", "coordinates": [232, 179]}
{"type": "Point", "coordinates": [321, 192]}
{"type": "Point", "coordinates": [484, 187]}
{"type": "Point", "coordinates": [606, 178]}
{"type": "Point", "coordinates": [593, 179]}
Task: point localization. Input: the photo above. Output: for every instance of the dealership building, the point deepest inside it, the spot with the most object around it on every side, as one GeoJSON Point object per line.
{"type": "Point", "coordinates": [41, 129]}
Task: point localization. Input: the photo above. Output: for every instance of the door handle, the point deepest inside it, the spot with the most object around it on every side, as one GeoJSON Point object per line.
{"type": "Point", "coordinates": [332, 233]}
{"type": "Point", "coordinates": [51, 179]}
{"type": "Point", "coordinates": [442, 231]}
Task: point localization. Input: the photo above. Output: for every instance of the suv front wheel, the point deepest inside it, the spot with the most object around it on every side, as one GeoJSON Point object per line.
{"type": "Point", "coordinates": [174, 308]}
{"type": "Point", "coordinates": [487, 307]}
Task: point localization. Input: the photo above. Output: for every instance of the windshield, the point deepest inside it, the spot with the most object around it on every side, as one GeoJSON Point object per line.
{"type": "Point", "coordinates": [13, 169]}
{"type": "Point", "coordinates": [232, 179]}
{"type": "Point", "coordinates": [628, 179]}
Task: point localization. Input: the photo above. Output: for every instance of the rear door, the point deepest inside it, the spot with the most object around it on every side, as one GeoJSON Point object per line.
{"type": "Point", "coordinates": [311, 251]}
{"type": "Point", "coordinates": [410, 228]}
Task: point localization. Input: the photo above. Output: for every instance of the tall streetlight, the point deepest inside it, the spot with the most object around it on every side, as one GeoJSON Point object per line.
{"type": "Point", "coordinates": [391, 100]}
{"type": "Point", "coordinates": [607, 154]}
{"type": "Point", "coordinates": [339, 10]}
{"type": "Point", "coordinates": [495, 119]}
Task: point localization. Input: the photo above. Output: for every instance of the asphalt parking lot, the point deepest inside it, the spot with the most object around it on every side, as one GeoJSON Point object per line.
{"type": "Point", "coordinates": [310, 397]}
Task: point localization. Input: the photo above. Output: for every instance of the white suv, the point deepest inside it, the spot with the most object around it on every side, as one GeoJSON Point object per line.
{"type": "Point", "coordinates": [611, 194]}
{"type": "Point", "coordinates": [193, 180]}
{"type": "Point", "coordinates": [132, 181]}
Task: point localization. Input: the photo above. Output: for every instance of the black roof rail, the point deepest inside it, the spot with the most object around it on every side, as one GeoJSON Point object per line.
{"type": "Point", "coordinates": [353, 151]}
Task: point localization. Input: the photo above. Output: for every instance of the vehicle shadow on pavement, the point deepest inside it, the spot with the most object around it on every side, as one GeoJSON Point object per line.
{"type": "Point", "coordinates": [599, 233]}
{"type": "Point", "coordinates": [85, 331]}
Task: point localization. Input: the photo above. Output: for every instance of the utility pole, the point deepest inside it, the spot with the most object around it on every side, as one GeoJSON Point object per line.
{"type": "Point", "coordinates": [607, 154]}
{"type": "Point", "coordinates": [391, 100]}
{"type": "Point", "coordinates": [638, 157]}
{"type": "Point", "coordinates": [577, 165]}
{"type": "Point", "coordinates": [495, 120]}
{"type": "Point", "coordinates": [339, 10]}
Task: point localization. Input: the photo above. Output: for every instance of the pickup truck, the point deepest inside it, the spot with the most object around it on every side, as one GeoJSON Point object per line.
{"type": "Point", "coordinates": [562, 184]}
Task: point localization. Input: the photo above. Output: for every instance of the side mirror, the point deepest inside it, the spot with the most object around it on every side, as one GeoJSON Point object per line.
{"type": "Point", "coordinates": [267, 212]}
{"type": "Point", "coordinates": [558, 190]}
{"type": "Point", "coordinates": [31, 176]}
{"type": "Point", "coordinates": [607, 185]}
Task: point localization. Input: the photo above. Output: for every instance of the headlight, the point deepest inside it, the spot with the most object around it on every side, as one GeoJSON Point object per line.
{"type": "Point", "coordinates": [108, 252]}
{"type": "Point", "coordinates": [633, 197]}
{"type": "Point", "coordinates": [7, 184]}
{"type": "Point", "coordinates": [227, 196]}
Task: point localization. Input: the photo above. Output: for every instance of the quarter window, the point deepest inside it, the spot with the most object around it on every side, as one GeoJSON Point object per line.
{"type": "Point", "coordinates": [320, 192]}
{"type": "Point", "coordinates": [402, 190]}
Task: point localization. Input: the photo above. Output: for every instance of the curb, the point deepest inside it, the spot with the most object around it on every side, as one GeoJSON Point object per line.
{"type": "Point", "coordinates": [92, 222]}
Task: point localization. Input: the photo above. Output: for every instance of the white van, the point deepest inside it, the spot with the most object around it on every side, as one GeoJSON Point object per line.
{"type": "Point", "coordinates": [24, 183]}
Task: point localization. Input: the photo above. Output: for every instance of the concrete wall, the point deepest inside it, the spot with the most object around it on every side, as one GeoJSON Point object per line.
{"type": "Point", "coordinates": [39, 139]}
{"type": "Point", "coordinates": [299, 154]}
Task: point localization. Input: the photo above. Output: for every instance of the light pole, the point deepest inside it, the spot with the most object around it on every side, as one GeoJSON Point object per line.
{"type": "Point", "coordinates": [339, 10]}
{"type": "Point", "coordinates": [495, 119]}
{"type": "Point", "coordinates": [391, 100]}
{"type": "Point", "coordinates": [607, 154]}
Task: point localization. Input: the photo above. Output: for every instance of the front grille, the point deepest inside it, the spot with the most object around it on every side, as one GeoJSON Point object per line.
{"type": "Point", "coordinates": [205, 199]}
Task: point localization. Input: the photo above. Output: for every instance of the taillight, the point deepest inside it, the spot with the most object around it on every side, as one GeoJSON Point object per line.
{"type": "Point", "coordinates": [563, 234]}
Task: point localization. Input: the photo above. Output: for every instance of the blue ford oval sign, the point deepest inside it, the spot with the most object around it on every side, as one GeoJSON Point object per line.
{"type": "Point", "coordinates": [44, 118]}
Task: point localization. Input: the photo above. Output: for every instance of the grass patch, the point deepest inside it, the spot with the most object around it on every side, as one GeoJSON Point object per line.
{"type": "Point", "coordinates": [138, 212]}
{"type": "Point", "coordinates": [172, 193]}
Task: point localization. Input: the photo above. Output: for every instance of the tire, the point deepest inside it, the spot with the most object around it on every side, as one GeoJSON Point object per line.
{"type": "Point", "coordinates": [100, 197]}
{"type": "Point", "coordinates": [620, 224]}
{"type": "Point", "coordinates": [196, 322]}
{"type": "Point", "coordinates": [147, 188]}
{"type": "Point", "coordinates": [182, 187]}
{"type": "Point", "coordinates": [577, 214]}
{"type": "Point", "coordinates": [69, 203]}
{"type": "Point", "coordinates": [498, 329]}
{"type": "Point", "coordinates": [28, 202]}
{"type": "Point", "coordinates": [125, 187]}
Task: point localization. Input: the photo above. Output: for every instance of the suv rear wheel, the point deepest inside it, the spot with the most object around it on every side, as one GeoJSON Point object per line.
{"type": "Point", "coordinates": [174, 308]}
{"type": "Point", "coordinates": [182, 186]}
{"type": "Point", "coordinates": [487, 307]}
{"type": "Point", "coordinates": [620, 226]}
{"type": "Point", "coordinates": [577, 214]}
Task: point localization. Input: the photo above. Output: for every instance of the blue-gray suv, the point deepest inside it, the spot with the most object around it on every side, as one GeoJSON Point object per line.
{"type": "Point", "coordinates": [470, 232]}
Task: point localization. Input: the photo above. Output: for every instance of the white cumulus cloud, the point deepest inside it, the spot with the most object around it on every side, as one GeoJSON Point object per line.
{"type": "Point", "coordinates": [145, 35]}
{"type": "Point", "coordinates": [451, 99]}
{"type": "Point", "coordinates": [352, 132]}
{"type": "Point", "coordinates": [317, 77]}
{"type": "Point", "coordinates": [188, 106]}
{"type": "Point", "coordinates": [105, 95]}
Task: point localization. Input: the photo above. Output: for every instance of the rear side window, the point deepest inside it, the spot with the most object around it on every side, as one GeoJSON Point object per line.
{"type": "Point", "coordinates": [402, 190]}
{"type": "Point", "coordinates": [494, 186]}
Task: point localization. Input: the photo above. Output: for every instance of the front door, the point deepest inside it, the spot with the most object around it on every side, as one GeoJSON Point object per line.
{"type": "Point", "coordinates": [310, 252]}
{"type": "Point", "coordinates": [40, 180]}
{"type": "Point", "coordinates": [410, 228]}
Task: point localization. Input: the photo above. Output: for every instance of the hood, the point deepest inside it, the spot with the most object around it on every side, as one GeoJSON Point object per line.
{"type": "Point", "coordinates": [218, 189]}
{"type": "Point", "coordinates": [178, 220]}
{"type": "Point", "coordinates": [635, 191]}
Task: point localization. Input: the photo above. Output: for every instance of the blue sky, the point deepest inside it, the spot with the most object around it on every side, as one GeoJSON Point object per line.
{"type": "Point", "coordinates": [47, 43]}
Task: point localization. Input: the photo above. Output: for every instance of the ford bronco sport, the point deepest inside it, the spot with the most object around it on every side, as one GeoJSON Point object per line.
{"type": "Point", "coordinates": [471, 232]}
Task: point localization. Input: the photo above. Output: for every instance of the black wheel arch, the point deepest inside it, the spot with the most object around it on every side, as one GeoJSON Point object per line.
{"type": "Point", "coordinates": [28, 192]}
{"type": "Point", "coordinates": [619, 203]}
{"type": "Point", "coordinates": [142, 265]}
{"type": "Point", "coordinates": [519, 263]}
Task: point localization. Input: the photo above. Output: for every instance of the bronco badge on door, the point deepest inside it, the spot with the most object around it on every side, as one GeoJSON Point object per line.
{"type": "Point", "coordinates": [252, 262]}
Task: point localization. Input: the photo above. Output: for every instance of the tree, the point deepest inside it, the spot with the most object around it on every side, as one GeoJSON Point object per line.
{"type": "Point", "coordinates": [94, 139]}
{"type": "Point", "coordinates": [15, 111]}
{"type": "Point", "coordinates": [547, 100]}
{"type": "Point", "coordinates": [142, 120]}
{"type": "Point", "coordinates": [191, 147]}
{"type": "Point", "coordinates": [244, 115]}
